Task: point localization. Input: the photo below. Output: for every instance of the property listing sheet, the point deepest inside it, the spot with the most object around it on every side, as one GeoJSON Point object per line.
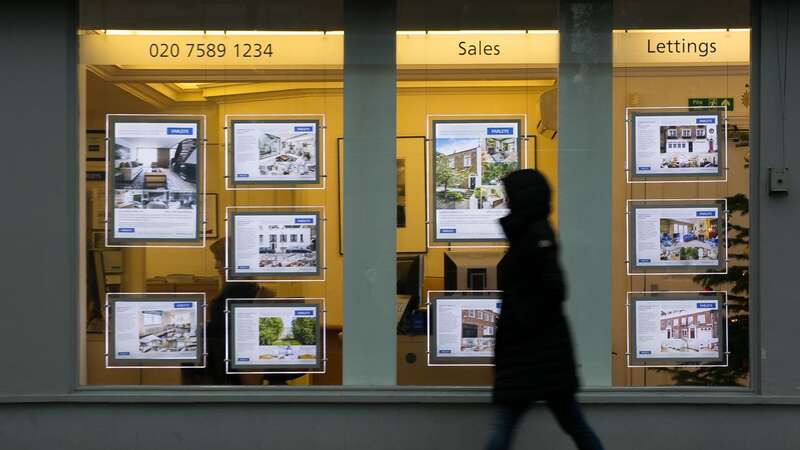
{"type": "Point", "coordinates": [275, 243]}
{"type": "Point", "coordinates": [677, 237]}
{"type": "Point", "coordinates": [470, 159]}
{"type": "Point", "coordinates": [276, 335]}
{"type": "Point", "coordinates": [677, 329]}
{"type": "Point", "coordinates": [677, 144]}
{"type": "Point", "coordinates": [154, 168]}
{"type": "Point", "coordinates": [275, 152]}
{"type": "Point", "coordinates": [155, 330]}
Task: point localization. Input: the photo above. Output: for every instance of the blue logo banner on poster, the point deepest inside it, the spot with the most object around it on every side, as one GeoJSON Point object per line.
{"type": "Point", "coordinates": [500, 131]}
{"type": "Point", "coordinates": [171, 131]}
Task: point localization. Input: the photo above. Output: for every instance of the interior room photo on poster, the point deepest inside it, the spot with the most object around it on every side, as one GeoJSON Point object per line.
{"type": "Point", "coordinates": [155, 329]}
{"type": "Point", "coordinates": [681, 236]}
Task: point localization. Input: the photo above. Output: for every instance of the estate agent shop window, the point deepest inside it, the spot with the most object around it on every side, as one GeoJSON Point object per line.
{"type": "Point", "coordinates": [212, 229]}
{"type": "Point", "coordinates": [213, 203]}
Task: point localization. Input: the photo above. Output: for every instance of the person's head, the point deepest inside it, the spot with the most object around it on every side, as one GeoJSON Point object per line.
{"type": "Point", "coordinates": [527, 193]}
{"type": "Point", "coordinates": [218, 249]}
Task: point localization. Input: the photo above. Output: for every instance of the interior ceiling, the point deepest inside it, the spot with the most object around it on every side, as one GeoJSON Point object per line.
{"type": "Point", "coordinates": [165, 87]}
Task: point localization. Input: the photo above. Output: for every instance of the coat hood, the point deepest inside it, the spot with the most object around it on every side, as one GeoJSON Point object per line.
{"type": "Point", "coordinates": [528, 194]}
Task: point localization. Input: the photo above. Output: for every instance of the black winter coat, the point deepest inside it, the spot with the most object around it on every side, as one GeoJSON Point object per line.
{"type": "Point", "coordinates": [214, 372]}
{"type": "Point", "coordinates": [533, 351]}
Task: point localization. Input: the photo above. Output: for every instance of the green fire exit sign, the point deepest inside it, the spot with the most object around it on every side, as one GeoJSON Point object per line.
{"type": "Point", "coordinates": [713, 101]}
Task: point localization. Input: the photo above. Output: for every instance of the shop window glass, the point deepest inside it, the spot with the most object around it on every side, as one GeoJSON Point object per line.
{"type": "Point", "coordinates": [680, 195]}
{"type": "Point", "coordinates": [237, 132]}
{"type": "Point", "coordinates": [471, 107]}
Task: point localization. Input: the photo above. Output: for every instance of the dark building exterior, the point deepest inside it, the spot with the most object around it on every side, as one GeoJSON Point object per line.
{"type": "Point", "coordinates": [55, 393]}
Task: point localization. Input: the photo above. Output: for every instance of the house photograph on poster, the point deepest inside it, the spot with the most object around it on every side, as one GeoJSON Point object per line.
{"type": "Point", "coordinates": [688, 146]}
{"type": "Point", "coordinates": [287, 246]}
{"type": "Point", "coordinates": [469, 171]}
{"type": "Point", "coordinates": [478, 330]}
{"type": "Point", "coordinates": [689, 330]}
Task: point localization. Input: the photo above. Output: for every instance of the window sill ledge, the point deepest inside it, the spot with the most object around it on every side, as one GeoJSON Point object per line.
{"type": "Point", "coordinates": [389, 394]}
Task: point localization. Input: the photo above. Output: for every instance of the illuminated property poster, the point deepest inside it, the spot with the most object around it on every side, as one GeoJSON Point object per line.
{"type": "Point", "coordinates": [469, 161]}
{"type": "Point", "coordinates": [155, 330]}
{"type": "Point", "coordinates": [273, 244]}
{"type": "Point", "coordinates": [677, 144]}
{"type": "Point", "coordinates": [275, 152]}
{"type": "Point", "coordinates": [673, 327]}
{"type": "Point", "coordinates": [270, 335]}
{"type": "Point", "coordinates": [464, 329]}
{"type": "Point", "coordinates": [677, 236]}
{"type": "Point", "coordinates": [156, 166]}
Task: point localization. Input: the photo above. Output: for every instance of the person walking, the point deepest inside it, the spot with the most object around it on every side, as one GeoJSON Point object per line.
{"type": "Point", "coordinates": [533, 352]}
{"type": "Point", "coordinates": [215, 371]}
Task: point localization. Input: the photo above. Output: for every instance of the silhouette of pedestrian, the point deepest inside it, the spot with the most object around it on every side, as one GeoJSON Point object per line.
{"type": "Point", "coordinates": [533, 353]}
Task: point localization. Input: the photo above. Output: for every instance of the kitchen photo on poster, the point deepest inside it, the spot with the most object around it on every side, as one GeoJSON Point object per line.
{"type": "Point", "coordinates": [275, 244]}
{"type": "Point", "coordinates": [155, 330]}
{"type": "Point", "coordinates": [155, 166]}
{"type": "Point", "coordinates": [677, 329]}
{"type": "Point", "coordinates": [276, 336]}
{"type": "Point", "coordinates": [680, 236]}
{"type": "Point", "coordinates": [470, 159]}
{"type": "Point", "coordinates": [275, 151]}
{"type": "Point", "coordinates": [466, 327]}
{"type": "Point", "coordinates": [677, 143]}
